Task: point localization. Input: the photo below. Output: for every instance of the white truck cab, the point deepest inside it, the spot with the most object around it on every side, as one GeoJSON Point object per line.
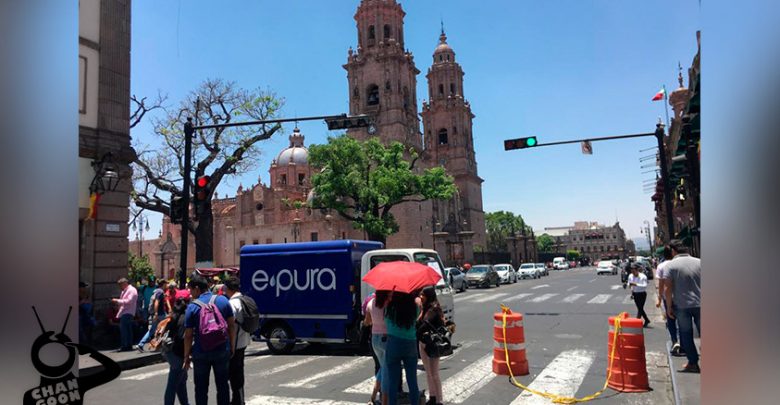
{"type": "Point", "coordinates": [423, 256]}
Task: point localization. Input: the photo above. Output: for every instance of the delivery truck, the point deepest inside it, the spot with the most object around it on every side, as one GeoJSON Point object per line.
{"type": "Point", "coordinates": [303, 293]}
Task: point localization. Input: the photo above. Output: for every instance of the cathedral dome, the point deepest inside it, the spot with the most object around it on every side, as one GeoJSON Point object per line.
{"type": "Point", "coordinates": [296, 153]}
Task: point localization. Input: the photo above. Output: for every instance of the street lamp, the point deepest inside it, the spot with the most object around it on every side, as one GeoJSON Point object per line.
{"type": "Point", "coordinates": [106, 176]}
{"type": "Point", "coordinates": [143, 225]}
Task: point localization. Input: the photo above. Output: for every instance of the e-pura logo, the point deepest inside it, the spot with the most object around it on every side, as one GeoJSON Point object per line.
{"type": "Point", "coordinates": [323, 279]}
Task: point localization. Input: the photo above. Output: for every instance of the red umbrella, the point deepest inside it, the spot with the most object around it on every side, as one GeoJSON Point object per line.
{"type": "Point", "coordinates": [401, 276]}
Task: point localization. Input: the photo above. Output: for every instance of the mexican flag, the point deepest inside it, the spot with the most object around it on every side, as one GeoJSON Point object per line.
{"type": "Point", "coordinates": [660, 95]}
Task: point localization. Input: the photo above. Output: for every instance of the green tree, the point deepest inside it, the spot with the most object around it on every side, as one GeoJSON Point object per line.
{"type": "Point", "coordinates": [362, 181]}
{"type": "Point", "coordinates": [500, 226]}
{"type": "Point", "coordinates": [138, 267]}
{"type": "Point", "coordinates": [545, 242]}
{"type": "Point", "coordinates": [572, 255]}
{"type": "Point", "coordinates": [158, 169]}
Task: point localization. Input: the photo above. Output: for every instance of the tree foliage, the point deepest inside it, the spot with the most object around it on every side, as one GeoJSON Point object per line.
{"type": "Point", "coordinates": [138, 267]}
{"type": "Point", "coordinates": [572, 255]}
{"type": "Point", "coordinates": [545, 242]}
{"type": "Point", "coordinates": [158, 171]}
{"type": "Point", "coordinates": [363, 181]}
{"type": "Point", "coordinates": [500, 226]}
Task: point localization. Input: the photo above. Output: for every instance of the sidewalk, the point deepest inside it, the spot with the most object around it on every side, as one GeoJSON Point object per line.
{"type": "Point", "coordinates": [688, 387]}
{"type": "Point", "coordinates": [133, 359]}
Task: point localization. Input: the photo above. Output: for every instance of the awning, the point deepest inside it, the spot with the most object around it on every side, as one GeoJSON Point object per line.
{"type": "Point", "coordinates": [216, 271]}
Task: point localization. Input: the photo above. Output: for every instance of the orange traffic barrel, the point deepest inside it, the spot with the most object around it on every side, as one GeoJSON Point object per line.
{"type": "Point", "coordinates": [515, 344]}
{"type": "Point", "coordinates": [629, 368]}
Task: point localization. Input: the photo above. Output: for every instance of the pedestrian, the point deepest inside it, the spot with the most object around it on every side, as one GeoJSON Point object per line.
{"type": "Point", "coordinates": [159, 308]}
{"type": "Point", "coordinates": [145, 293]}
{"type": "Point", "coordinates": [431, 318]}
{"type": "Point", "coordinates": [214, 350]}
{"type": "Point", "coordinates": [170, 295]}
{"type": "Point", "coordinates": [236, 366]}
{"type": "Point", "coordinates": [683, 290]}
{"type": "Point", "coordinates": [400, 316]}
{"type": "Point", "coordinates": [671, 324]}
{"type": "Point", "coordinates": [375, 318]}
{"type": "Point", "coordinates": [127, 301]}
{"type": "Point", "coordinates": [86, 316]}
{"type": "Point", "coordinates": [177, 375]}
{"type": "Point", "coordinates": [638, 282]}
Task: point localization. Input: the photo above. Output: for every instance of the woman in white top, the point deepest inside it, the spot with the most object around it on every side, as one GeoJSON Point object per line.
{"type": "Point", "coordinates": [638, 283]}
{"type": "Point", "coordinates": [375, 317]}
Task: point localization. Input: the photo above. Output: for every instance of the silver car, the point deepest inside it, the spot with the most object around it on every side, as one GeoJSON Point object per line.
{"type": "Point", "coordinates": [543, 269]}
{"type": "Point", "coordinates": [529, 270]}
{"type": "Point", "coordinates": [456, 278]}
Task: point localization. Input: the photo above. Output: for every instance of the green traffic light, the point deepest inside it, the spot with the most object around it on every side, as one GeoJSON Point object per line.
{"type": "Point", "coordinates": [530, 141]}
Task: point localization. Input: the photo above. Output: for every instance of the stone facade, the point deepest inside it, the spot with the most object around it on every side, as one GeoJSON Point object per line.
{"type": "Point", "coordinates": [595, 241]}
{"type": "Point", "coordinates": [382, 82]}
{"type": "Point", "coordinates": [104, 110]}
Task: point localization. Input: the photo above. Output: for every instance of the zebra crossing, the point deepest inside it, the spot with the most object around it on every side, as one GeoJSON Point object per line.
{"type": "Point", "coordinates": [563, 375]}
{"type": "Point", "coordinates": [534, 297]}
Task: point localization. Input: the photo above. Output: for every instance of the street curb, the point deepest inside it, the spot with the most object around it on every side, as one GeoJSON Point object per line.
{"type": "Point", "coordinates": [147, 359]}
{"type": "Point", "coordinates": [673, 373]}
{"type": "Point", "coordinates": [127, 364]}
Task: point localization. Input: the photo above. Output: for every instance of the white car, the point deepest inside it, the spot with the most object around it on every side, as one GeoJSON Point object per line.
{"type": "Point", "coordinates": [606, 267]}
{"type": "Point", "coordinates": [529, 270]}
{"type": "Point", "coordinates": [506, 273]}
{"type": "Point", "coordinates": [542, 269]}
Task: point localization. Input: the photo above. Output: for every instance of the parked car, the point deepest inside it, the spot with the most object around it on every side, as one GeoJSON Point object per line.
{"type": "Point", "coordinates": [606, 267]}
{"type": "Point", "coordinates": [529, 270]}
{"type": "Point", "coordinates": [483, 275]}
{"type": "Point", "coordinates": [559, 263]}
{"type": "Point", "coordinates": [506, 272]}
{"type": "Point", "coordinates": [572, 264]}
{"type": "Point", "coordinates": [457, 278]}
{"type": "Point", "coordinates": [543, 269]}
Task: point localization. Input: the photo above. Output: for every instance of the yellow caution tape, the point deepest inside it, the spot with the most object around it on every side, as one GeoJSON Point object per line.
{"type": "Point", "coordinates": [555, 398]}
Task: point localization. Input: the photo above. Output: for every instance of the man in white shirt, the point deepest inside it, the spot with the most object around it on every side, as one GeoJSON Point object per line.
{"type": "Point", "coordinates": [236, 368]}
{"type": "Point", "coordinates": [638, 283]}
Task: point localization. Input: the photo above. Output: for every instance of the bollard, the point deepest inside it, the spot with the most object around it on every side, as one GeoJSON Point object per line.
{"type": "Point", "coordinates": [629, 367]}
{"type": "Point", "coordinates": [515, 343]}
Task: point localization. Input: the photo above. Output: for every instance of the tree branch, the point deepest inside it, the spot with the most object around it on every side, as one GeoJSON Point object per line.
{"type": "Point", "coordinates": [142, 108]}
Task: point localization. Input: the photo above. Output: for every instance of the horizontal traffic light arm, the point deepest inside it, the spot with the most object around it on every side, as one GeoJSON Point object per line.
{"type": "Point", "coordinates": [603, 138]}
{"type": "Point", "coordinates": [365, 117]}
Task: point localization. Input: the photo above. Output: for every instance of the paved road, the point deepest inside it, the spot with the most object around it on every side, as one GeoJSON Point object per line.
{"type": "Point", "coordinates": [566, 338]}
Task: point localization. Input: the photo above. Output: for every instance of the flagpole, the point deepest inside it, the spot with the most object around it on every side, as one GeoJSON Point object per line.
{"type": "Point", "coordinates": [666, 108]}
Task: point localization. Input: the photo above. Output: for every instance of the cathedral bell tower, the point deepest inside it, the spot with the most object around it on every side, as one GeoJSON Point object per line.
{"type": "Point", "coordinates": [382, 75]}
{"type": "Point", "coordinates": [447, 121]}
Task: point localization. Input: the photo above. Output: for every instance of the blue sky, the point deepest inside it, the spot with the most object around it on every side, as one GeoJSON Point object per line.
{"type": "Point", "coordinates": [554, 69]}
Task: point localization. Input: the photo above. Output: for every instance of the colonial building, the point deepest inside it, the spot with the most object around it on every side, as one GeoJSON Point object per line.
{"type": "Point", "coordinates": [592, 240]}
{"type": "Point", "coordinates": [682, 154]}
{"type": "Point", "coordinates": [382, 82]}
{"type": "Point", "coordinates": [104, 144]}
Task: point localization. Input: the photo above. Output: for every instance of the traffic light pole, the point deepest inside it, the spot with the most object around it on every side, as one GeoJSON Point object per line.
{"type": "Point", "coordinates": [189, 132]}
{"type": "Point", "coordinates": [659, 135]}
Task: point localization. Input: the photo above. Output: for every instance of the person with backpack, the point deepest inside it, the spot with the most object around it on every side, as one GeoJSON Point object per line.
{"type": "Point", "coordinates": [209, 340]}
{"type": "Point", "coordinates": [431, 319]}
{"type": "Point", "coordinates": [173, 351]}
{"type": "Point", "coordinates": [159, 308]}
{"type": "Point", "coordinates": [248, 320]}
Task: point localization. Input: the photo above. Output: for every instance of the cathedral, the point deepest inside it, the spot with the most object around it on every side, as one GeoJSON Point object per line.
{"type": "Point", "coordinates": [382, 82]}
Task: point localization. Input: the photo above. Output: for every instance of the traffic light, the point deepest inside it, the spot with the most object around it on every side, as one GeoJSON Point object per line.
{"type": "Point", "coordinates": [345, 122]}
{"type": "Point", "coordinates": [178, 210]}
{"type": "Point", "coordinates": [201, 202]}
{"type": "Point", "coordinates": [520, 143]}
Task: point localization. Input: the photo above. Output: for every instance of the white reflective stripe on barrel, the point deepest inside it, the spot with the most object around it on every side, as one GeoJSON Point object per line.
{"type": "Point", "coordinates": [509, 346]}
{"type": "Point", "coordinates": [625, 329]}
{"type": "Point", "coordinates": [509, 324]}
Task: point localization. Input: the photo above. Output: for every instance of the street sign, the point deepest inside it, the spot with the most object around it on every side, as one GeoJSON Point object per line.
{"type": "Point", "coordinates": [587, 148]}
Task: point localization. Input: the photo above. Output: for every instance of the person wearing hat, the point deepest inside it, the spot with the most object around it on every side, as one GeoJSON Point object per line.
{"type": "Point", "coordinates": [638, 282]}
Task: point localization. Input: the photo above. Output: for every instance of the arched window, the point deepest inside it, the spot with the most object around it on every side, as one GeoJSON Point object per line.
{"type": "Point", "coordinates": [387, 31]}
{"type": "Point", "coordinates": [301, 179]}
{"type": "Point", "coordinates": [441, 89]}
{"type": "Point", "coordinates": [443, 138]}
{"type": "Point", "coordinates": [406, 97]}
{"type": "Point", "coordinates": [373, 95]}
{"type": "Point", "coordinates": [387, 85]}
{"type": "Point", "coordinates": [356, 92]}
{"type": "Point", "coordinates": [452, 88]}
{"type": "Point", "coordinates": [371, 32]}
{"type": "Point", "coordinates": [283, 180]}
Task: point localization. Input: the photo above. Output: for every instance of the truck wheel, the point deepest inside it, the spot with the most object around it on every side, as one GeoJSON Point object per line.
{"type": "Point", "coordinates": [280, 331]}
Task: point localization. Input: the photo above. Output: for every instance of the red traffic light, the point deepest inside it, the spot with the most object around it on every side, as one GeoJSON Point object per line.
{"type": "Point", "coordinates": [203, 181]}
